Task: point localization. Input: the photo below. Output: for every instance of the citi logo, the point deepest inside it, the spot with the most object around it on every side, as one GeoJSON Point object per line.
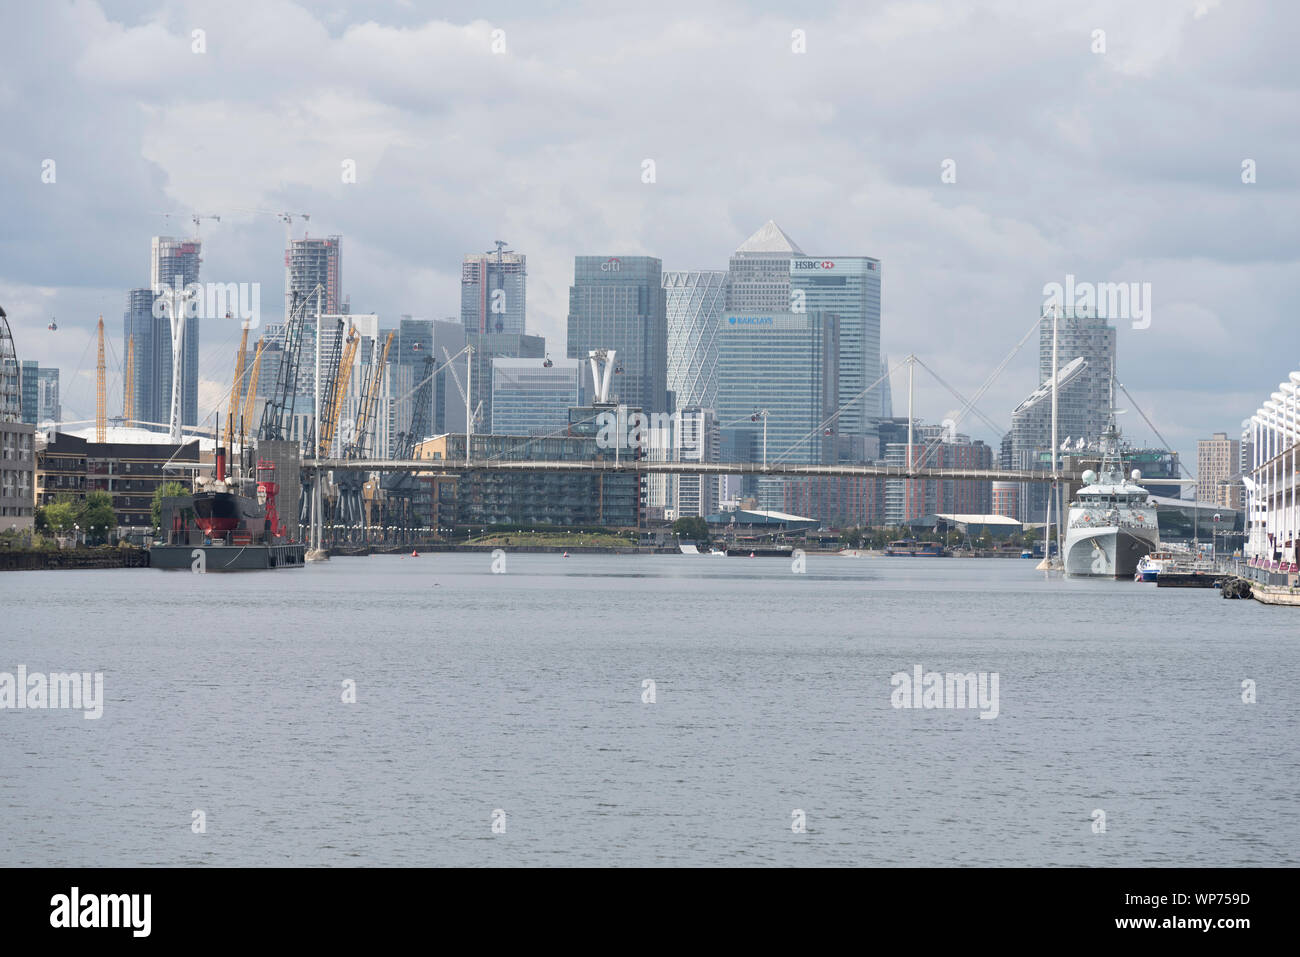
{"type": "Point", "coordinates": [613, 264]}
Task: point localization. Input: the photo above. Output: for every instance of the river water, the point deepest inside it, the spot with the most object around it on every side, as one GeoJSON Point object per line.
{"type": "Point", "coordinates": [520, 698]}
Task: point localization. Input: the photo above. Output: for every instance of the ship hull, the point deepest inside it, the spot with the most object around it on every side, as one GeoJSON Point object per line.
{"type": "Point", "coordinates": [1105, 552]}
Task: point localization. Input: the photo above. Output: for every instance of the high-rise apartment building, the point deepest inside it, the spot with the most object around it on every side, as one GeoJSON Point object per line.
{"type": "Point", "coordinates": [1092, 339]}
{"type": "Point", "coordinates": [493, 292]}
{"type": "Point", "coordinates": [313, 262]}
{"type": "Point", "coordinates": [695, 302]}
{"type": "Point", "coordinates": [617, 302]}
{"type": "Point", "coordinates": [1218, 459]}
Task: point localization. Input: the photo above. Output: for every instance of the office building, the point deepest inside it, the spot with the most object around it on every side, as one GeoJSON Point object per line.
{"type": "Point", "coordinates": [759, 272]}
{"type": "Point", "coordinates": [617, 303]}
{"type": "Point", "coordinates": [847, 287]}
{"type": "Point", "coordinates": [777, 384]}
{"type": "Point", "coordinates": [493, 292]}
{"type": "Point", "coordinates": [695, 302]}
{"type": "Point", "coordinates": [488, 347]}
{"type": "Point", "coordinates": [533, 396]}
{"type": "Point", "coordinates": [174, 263]}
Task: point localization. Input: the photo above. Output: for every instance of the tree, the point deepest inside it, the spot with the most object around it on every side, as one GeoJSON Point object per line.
{"type": "Point", "coordinates": [97, 515]}
{"type": "Point", "coordinates": [166, 490]}
{"type": "Point", "coordinates": [691, 528]}
{"type": "Point", "coordinates": [61, 515]}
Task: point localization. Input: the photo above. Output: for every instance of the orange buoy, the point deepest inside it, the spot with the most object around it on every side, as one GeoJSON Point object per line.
{"type": "Point", "coordinates": [565, 555]}
{"type": "Point", "coordinates": [414, 553]}
{"type": "Point", "coordinates": [751, 554]}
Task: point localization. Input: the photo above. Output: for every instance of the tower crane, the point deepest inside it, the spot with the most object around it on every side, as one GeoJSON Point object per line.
{"type": "Point", "coordinates": [236, 387]}
{"type": "Point", "coordinates": [101, 417]}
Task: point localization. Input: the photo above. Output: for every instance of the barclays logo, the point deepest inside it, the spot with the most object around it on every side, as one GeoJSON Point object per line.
{"type": "Point", "coordinates": [750, 320]}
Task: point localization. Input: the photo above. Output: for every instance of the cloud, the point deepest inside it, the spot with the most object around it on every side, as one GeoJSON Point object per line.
{"type": "Point", "coordinates": [1120, 166]}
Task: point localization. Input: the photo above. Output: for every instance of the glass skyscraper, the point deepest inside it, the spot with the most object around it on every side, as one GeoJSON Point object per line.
{"type": "Point", "coordinates": [760, 271]}
{"type": "Point", "coordinates": [530, 397]}
{"type": "Point", "coordinates": [695, 302]}
{"type": "Point", "coordinates": [493, 291]}
{"type": "Point", "coordinates": [785, 363]}
{"type": "Point", "coordinates": [618, 303]}
{"type": "Point", "coordinates": [847, 287]}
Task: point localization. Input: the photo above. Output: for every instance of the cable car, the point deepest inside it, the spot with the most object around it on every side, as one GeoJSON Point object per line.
{"type": "Point", "coordinates": [54, 326]}
{"type": "Point", "coordinates": [548, 363]}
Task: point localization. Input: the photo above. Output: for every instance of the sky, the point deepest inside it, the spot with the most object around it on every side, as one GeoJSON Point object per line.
{"type": "Point", "coordinates": [980, 150]}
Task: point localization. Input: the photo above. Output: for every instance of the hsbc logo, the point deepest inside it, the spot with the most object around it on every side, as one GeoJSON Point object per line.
{"type": "Point", "coordinates": [801, 265]}
{"type": "Point", "coordinates": [613, 264]}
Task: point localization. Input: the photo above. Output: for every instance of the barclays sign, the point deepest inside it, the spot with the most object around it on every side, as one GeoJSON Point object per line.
{"type": "Point", "coordinates": [749, 320]}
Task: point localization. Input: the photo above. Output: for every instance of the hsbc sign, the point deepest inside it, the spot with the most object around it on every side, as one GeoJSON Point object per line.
{"type": "Point", "coordinates": [802, 265]}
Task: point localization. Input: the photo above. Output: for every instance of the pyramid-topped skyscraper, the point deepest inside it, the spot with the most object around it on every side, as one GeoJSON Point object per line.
{"type": "Point", "coordinates": [760, 271]}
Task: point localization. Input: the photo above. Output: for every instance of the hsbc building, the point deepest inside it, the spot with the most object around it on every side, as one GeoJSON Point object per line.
{"type": "Point", "coordinates": [847, 287]}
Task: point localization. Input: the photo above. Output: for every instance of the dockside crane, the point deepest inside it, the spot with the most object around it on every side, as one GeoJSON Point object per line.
{"type": "Point", "coordinates": [236, 387]}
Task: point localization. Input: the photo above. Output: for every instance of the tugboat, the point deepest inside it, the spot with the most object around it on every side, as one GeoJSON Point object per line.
{"type": "Point", "coordinates": [1112, 520]}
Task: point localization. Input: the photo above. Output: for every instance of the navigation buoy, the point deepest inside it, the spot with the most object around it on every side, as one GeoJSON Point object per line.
{"type": "Point", "coordinates": [414, 553]}
{"type": "Point", "coordinates": [565, 555]}
{"type": "Point", "coordinates": [751, 554]}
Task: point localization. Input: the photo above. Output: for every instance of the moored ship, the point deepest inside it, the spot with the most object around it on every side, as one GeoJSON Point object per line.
{"type": "Point", "coordinates": [1112, 520]}
{"type": "Point", "coordinates": [234, 531]}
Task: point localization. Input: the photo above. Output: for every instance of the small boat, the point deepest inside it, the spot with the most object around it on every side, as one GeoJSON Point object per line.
{"type": "Point", "coordinates": [1026, 553]}
{"type": "Point", "coordinates": [912, 548]}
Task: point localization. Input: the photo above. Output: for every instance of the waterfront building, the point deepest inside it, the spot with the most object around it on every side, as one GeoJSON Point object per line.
{"type": "Point", "coordinates": [695, 301]}
{"type": "Point", "coordinates": [493, 292]}
{"type": "Point", "coordinates": [129, 471]}
{"type": "Point", "coordinates": [837, 501]}
{"type": "Point", "coordinates": [1273, 485]}
{"type": "Point", "coordinates": [17, 463]}
{"type": "Point", "coordinates": [617, 303]}
{"type": "Point", "coordinates": [937, 447]}
{"type": "Point", "coordinates": [561, 499]}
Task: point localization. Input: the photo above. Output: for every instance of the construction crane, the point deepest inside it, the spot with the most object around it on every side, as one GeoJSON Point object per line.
{"type": "Point", "coordinates": [252, 392]}
{"type": "Point", "coordinates": [370, 402]}
{"type": "Point", "coordinates": [195, 219]}
{"type": "Point", "coordinates": [128, 398]}
{"type": "Point", "coordinates": [338, 393]}
{"type": "Point", "coordinates": [236, 387]}
{"type": "Point", "coordinates": [277, 414]}
{"type": "Point", "coordinates": [101, 415]}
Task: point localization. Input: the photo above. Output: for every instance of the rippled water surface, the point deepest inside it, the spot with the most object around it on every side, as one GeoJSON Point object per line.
{"type": "Point", "coordinates": [523, 692]}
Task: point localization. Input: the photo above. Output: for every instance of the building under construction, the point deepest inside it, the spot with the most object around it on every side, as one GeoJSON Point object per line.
{"type": "Point", "coordinates": [313, 262]}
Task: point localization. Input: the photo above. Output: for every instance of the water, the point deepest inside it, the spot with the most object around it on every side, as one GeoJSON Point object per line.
{"type": "Point", "coordinates": [523, 692]}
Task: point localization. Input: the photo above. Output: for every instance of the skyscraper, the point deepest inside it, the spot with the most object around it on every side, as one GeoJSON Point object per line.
{"type": "Point", "coordinates": [1093, 339]}
{"type": "Point", "coordinates": [759, 273]}
{"type": "Point", "coordinates": [784, 363]}
{"type": "Point", "coordinates": [174, 263]}
{"type": "Point", "coordinates": [618, 303]}
{"type": "Point", "coordinates": [315, 262]}
{"type": "Point", "coordinates": [493, 292]}
{"type": "Point", "coordinates": [29, 387]}
{"type": "Point", "coordinates": [847, 287]}
{"type": "Point", "coordinates": [48, 407]}
{"type": "Point", "coordinates": [695, 301]}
